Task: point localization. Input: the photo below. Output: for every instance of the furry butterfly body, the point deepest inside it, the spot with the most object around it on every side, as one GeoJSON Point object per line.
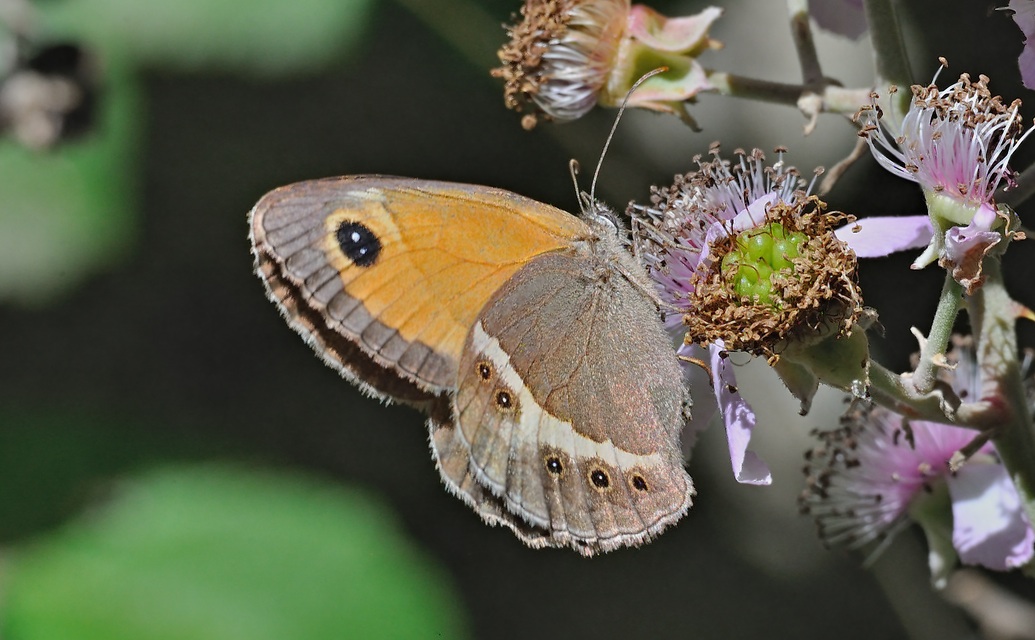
{"type": "Point", "coordinates": [555, 400]}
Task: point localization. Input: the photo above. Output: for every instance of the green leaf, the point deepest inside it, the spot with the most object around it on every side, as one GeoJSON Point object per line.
{"type": "Point", "coordinates": [211, 552]}
{"type": "Point", "coordinates": [270, 36]}
{"type": "Point", "coordinates": [68, 212]}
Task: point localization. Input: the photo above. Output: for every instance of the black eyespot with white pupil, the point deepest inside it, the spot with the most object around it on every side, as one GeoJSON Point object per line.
{"type": "Point", "coordinates": [484, 370]}
{"type": "Point", "coordinates": [599, 479]}
{"type": "Point", "coordinates": [358, 243]}
{"type": "Point", "coordinates": [504, 400]}
{"type": "Point", "coordinates": [554, 466]}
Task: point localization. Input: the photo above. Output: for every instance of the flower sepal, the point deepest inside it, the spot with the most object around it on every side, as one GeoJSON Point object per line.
{"type": "Point", "coordinates": [834, 357]}
{"type": "Point", "coordinates": [667, 92]}
{"type": "Point", "coordinates": [653, 41]}
{"type": "Point", "coordinates": [799, 380]}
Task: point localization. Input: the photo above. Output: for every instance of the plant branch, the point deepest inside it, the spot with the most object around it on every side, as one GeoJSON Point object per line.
{"type": "Point", "coordinates": [801, 32]}
{"type": "Point", "coordinates": [832, 99]}
{"type": "Point", "coordinates": [932, 349]}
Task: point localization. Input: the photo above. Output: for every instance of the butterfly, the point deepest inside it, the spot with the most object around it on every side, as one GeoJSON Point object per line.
{"type": "Point", "coordinates": [527, 335]}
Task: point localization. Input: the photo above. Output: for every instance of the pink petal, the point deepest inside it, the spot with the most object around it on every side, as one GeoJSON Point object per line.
{"type": "Point", "coordinates": [881, 236]}
{"type": "Point", "coordinates": [676, 35]}
{"type": "Point", "coordinates": [748, 468]}
{"type": "Point", "coordinates": [656, 41]}
{"type": "Point", "coordinates": [755, 214]}
{"type": "Point", "coordinates": [1024, 16]}
{"type": "Point", "coordinates": [1026, 61]}
{"type": "Point", "coordinates": [990, 527]}
{"type": "Point", "coordinates": [751, 217]}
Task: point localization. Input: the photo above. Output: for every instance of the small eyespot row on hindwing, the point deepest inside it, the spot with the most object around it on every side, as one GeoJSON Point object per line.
{"type": "Point", "coordinates": [554, 466]}
{"type": "Point", "coordinates": [599, 478]}
{"type": "Point", "coordinates": [484, 370]}
{"type": "Point", "coordinates": [505, 400]}
{"type": "Point", "coordinates": [638, 482]}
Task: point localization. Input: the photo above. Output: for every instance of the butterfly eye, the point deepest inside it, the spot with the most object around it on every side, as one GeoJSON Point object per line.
{"type": "Point", "coordinates": [358, 243]}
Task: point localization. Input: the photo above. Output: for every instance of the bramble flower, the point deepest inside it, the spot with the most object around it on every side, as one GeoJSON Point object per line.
{"type": "Point", "coordinates": [566, 56]}
{"type": "Point", "coordinates": [745, 260]}
{"type": "Point", "coordinates": [956, 143]}
{"type": "Point", "coordinates": [869, 478]}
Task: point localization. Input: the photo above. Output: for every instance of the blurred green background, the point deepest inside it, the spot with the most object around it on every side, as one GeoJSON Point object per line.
{"type": "Point", "coordinates": [175, 463]}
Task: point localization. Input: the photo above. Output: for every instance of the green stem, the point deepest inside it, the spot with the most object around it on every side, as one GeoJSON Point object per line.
{"type": "Point", "coordinates": [993, 316]}
{"type": "Point", "coordinates": [753, 89]}
{"type": "Point", "coordinates": [941, 331]}
{"type": "Point", "coordinates": [892, 62]}
{"type": "Point", "coordinates": [897, 393]}
{"type": "Point", "coordinates": [888, 45]}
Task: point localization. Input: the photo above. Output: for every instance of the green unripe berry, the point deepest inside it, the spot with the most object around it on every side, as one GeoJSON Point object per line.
{"type": "Point", "coordinates": [757, 254]}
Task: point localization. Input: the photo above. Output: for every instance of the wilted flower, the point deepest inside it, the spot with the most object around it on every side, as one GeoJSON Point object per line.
{"type": "Point", "coordinates": [881, 470]}
{"type": "Point", "coordinates": [745, 260]}
{"type": "Point", "coordinates": [956, 144]}
{"type": "Point", "coordinates": [568, 55]}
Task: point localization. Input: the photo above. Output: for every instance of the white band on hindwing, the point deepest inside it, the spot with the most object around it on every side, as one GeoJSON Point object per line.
{"type": "Point", "coordinates": [538, 425]}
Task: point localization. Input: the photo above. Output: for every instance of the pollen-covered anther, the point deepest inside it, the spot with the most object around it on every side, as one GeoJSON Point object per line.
{"type": "Point", "coordinates": [789, 279]}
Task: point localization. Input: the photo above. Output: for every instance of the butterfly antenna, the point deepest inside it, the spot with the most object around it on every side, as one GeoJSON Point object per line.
{"type": "Point", "coordinates": [573, 169]}
{"type": "Point", "coordinates": [614, 127]}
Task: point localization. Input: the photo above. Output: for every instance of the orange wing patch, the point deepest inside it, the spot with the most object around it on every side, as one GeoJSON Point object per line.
{"type": "Point", "coordinates": [445, 249]}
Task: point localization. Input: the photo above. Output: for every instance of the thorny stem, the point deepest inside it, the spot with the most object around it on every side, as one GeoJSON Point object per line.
{"type": "Point", "coordinates": [898, 394]}
{"type": "Point", "coordinates": [801, 31]}
{"type": "Point", "coordinates": [1001, 413]}
{"type": "Point", "coordinates": [933, 349]}
{"type": "Point", "coordinates": [993, 317]}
